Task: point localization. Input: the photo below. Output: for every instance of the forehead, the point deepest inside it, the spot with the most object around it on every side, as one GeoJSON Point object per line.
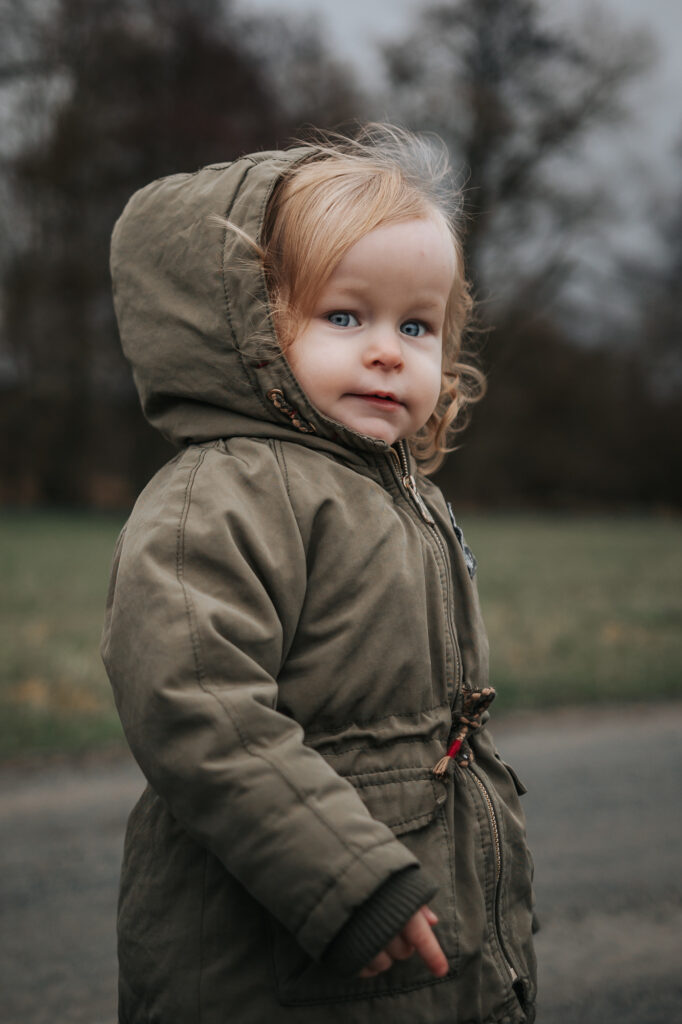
{"type": "Point", "coordinates": [415, 255]}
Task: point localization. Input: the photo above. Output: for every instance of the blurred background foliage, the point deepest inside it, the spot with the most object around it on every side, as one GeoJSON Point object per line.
{"type": "Point", "coordinates": [584, 403]}
{"type": "Point", "coordinates": [579, 336]}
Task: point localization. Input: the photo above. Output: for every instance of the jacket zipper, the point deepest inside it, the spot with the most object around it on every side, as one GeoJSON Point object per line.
{"type": "Point", "coordinates": [410, 485]}
{"type": "Point", "coordinates": [494, 828]}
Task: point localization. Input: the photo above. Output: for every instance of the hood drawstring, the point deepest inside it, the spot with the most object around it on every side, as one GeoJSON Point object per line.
{"type": "Point", "coordinates": [276, 396]}
{"type": "Point", "coordinates": [474, 703]}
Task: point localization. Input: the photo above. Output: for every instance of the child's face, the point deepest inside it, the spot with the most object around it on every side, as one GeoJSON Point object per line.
{"type": "Point", "coordinates": [370, 355]}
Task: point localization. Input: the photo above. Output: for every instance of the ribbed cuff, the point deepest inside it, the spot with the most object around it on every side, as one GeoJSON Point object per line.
{"type": "Point", "coordinates": [378, 920]}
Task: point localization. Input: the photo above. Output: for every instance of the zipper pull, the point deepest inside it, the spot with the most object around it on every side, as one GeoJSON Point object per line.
{"type": "Point", "coordinates": [402, 465]}
{"type": "Point", "coordinates": [474, 703]}
{"type": "Point", "coordinates": [411, 488]}
{"type": "Point", "coordinates": [441, 767]}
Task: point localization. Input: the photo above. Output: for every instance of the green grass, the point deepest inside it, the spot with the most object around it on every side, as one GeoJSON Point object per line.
{"type": "Point", "coordinates": [54, 693]}
{"type": "Point", "coordinates": [578, 610]}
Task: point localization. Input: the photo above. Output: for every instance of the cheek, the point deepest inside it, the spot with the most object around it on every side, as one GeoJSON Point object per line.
{"type": "Point", "coordinates": [433, 384]}
{"type": "Point", "coordinates": [433, 401]}
{"type": "Point", "coordinates": [313, 364]}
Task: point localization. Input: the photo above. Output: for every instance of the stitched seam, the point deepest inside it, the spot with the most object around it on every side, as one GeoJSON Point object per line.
{"type": "Point", "coordinates": [339, 875]}
{"type": "Point", "coordinates": [406, 739]}
{"type": "Point", "coordinates": [451, 638]}
{"type": "Point", "coordinates": [488, 852]}
{"type": "Point", "coordinates": [398, 770]}
{"type": "Point", "coordinates": [201, 675]}
{"type": "Point", "coordinates": [180, 569]}
{"type": "Point", "coordinates": [449, 892]}
{"type": "Point", "coordinates": [397, 990]}
{"type": "Point", "coordinates": [509, 1008]}
{"type": "Point", "coordinates": [274, 445]}
{"type": "Point", "coordinates": [433, 543]}
{"type": "Point", "coordinates": [295, 1000]}
{"type": "Point", "coordinates": [228, 312]}
{"type": "Point", "coordinates": [250, 377]}
{"type": "Point", "coordinates": [395, 822]}
{"type": "Point", "coordinates": [383, 783]}
{"type": "Point", "coordinates": [501, 921]}
{"type": "Point", "coordinates": [383, 718]}
{"type": "Point", "coordinates": [282, 463]}
{"type": "Point", "coordinates": [425, 816]}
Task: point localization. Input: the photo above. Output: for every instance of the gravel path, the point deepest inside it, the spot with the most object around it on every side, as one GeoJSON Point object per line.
{"type": "Point", "coordinates": [604, 820]}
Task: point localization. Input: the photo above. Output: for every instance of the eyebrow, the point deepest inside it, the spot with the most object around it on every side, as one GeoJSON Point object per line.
{"type": "Point", "coordinates": [428, 304]}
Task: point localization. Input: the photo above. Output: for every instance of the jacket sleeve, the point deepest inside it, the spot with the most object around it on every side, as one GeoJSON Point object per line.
{"type": "Point", "coordinates": [208, 580]}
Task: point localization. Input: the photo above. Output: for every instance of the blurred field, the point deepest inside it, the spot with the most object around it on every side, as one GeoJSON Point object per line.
{"type": "Point", "coordinates": [578, 610]}
{"type": "Point", "coordinates": [581, 609]}
{"type": "Point", "coordinates": [54, 693]}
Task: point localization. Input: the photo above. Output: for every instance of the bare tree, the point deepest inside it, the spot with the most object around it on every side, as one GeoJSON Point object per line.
{"type": "Point", "coordinates": [523, 105]}
{"type": "Point", "coordinates": [146, 88]}
{"type": "Point", "coordinates": [657, 281]}
{"type": "Point", "coordinates": [516, 99]}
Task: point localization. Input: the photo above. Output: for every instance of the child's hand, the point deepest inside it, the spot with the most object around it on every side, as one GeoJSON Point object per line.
{"type": "Point", "coordinates": [416, 935]}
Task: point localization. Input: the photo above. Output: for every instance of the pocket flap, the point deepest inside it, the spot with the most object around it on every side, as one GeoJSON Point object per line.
{"type": "Point", "coordinates": [518, 785]}
{"type": "Point", "coordinates": [404, 799]}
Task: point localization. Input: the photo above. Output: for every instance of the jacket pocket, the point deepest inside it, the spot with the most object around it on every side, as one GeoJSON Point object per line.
{"type": "Point", "coordinates": [518, 785]}
{"type": "Point", "coordinates": [515, 901]}
{"type": "Point", "coordinates": [413, 804]}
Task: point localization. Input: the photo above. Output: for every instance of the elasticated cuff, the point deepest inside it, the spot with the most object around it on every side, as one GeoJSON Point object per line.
{"type": "Point", "coordinates": [378, 920]}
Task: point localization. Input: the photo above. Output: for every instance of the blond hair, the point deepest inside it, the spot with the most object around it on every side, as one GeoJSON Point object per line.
{"type": "Point", "coordinates": [326, 203]}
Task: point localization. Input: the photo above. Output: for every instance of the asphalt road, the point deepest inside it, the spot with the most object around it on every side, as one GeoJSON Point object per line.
{"type": "Point", "coordinates": [604, 821]}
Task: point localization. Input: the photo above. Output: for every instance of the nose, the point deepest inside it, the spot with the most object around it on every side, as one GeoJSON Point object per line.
{"type": "Point", "coordinates": [383, 349]}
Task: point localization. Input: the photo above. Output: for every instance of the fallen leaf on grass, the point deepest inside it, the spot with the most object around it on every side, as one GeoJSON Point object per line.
{"type": "Point", "coordinates": [40, 695]}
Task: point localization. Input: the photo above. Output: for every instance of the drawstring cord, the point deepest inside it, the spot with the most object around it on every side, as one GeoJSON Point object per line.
{"type": "Point", "coordinates": [474, 703]}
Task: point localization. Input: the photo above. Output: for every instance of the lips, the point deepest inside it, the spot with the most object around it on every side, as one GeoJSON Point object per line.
{"type": "Point", "coordinates": [384, 398]}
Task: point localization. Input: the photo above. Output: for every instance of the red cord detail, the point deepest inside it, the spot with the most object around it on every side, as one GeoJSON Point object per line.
{"type": "Point", "coordinates": [454, 748]}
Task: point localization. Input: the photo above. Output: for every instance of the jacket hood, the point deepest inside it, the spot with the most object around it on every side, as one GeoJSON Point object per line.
{"type": "Point", "coordinates": [193, 313]}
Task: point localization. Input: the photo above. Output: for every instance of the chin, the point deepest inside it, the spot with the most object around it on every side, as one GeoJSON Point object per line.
{"type": "Point", "coordinates": [379, 431]}
{"type": "Point", "coordinates": [390, 437]}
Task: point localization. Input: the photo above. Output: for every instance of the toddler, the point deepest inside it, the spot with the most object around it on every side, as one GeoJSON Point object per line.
{"type": "Point", "coordinates": [292, 631]}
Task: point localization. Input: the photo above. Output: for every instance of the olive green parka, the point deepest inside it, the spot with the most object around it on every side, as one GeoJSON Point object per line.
{"type": "Point", "coordinates": [289, 632]}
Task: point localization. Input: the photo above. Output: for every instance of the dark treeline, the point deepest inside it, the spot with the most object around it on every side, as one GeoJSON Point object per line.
{"type": "Point", "coordinates": [105, 97]}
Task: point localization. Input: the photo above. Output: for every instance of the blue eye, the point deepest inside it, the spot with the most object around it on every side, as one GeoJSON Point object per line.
{"type": "Point", "coordinates": [339, 318]}
{"type": "Point", "coordinates": [413, 328]}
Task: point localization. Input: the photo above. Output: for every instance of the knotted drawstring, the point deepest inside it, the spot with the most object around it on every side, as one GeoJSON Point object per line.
{"type": "Point", "coordinates": [474, 703]}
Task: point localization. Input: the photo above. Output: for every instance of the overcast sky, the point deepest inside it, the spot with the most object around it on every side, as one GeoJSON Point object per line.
{"type": "Point", "coordinates": [355, 26]}
{"type": "Point", "coordinates": [636, 164]}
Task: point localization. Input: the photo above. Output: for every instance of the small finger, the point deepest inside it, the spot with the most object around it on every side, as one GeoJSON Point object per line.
{"type": "Point", "coordinates": [381, 962]}
{"type": "Point", "coordinates": [419, 932]}
{"type": "Point", "coordinates": [429, 915]}
{"type": "Point", "coordinates": [433, 956]}
{"type": "Point", "coordinates": [399, 948]}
